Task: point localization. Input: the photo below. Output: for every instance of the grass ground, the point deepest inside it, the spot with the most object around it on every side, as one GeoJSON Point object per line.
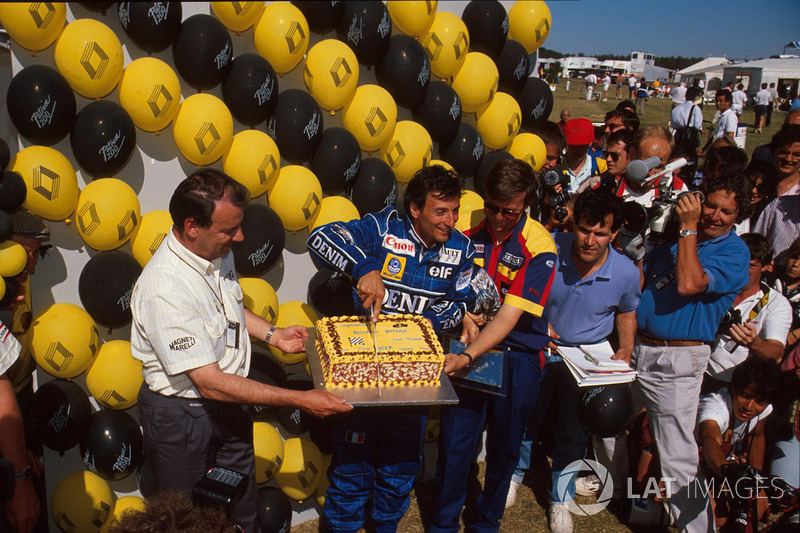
{"type": "Point", "coordinates": [528, 514]}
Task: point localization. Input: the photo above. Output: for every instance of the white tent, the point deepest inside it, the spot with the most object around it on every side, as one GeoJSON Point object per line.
{"type": "Point", "coordinates": [784, 72]}
{"type": "Point", "coordinates": [709, 70]}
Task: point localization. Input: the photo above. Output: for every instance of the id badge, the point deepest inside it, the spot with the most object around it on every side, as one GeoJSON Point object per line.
{"type": "Point", "coordinates": [232, 335]}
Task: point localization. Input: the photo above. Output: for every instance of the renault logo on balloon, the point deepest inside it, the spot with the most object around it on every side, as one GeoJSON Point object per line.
{"type": "Point", "coordinates": [160, 101]}
{"type": "Point", "coordinates": [204, 143]}
{"type": "Point", "coordinates": [311, 205]}
{"type": "Point", "coordinates": [375, 121]}
{"type": "Point", "coordinates": [340, 71]}
{"type": "Point", "coordinates": [268, 164]}
{"type": "Point", "coordinates": [58, 357]}
{"type": "Point", "coordinates": [461, 45]}
{"type": "Point", "coordinates": [88, 219]}
{"type": "Point", "coordinates": [295, 37]}
{"type": "Point", "coordinates": [42, 13]}
{"type": "Point", "coordinates": [127, 224]}
{"type": "Point", "coordinates": [94, 60]}
{"type": "Point", "coordinates": [46, 182]}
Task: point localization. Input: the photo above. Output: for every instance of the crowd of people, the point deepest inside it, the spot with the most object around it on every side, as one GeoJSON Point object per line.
{"type": "Point", "coordinates": [691, 270]}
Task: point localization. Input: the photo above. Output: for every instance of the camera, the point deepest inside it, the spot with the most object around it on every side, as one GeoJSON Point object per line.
{"type": "Point", "coordinates": [220, 487]}
{"type": "Point", "coordinates": [557, 199]}
{"type": "Point", "coordinates": [733, 316]}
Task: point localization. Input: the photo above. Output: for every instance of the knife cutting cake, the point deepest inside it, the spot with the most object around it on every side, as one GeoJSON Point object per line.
{"type": "Point", "coordinates": [408, 351]}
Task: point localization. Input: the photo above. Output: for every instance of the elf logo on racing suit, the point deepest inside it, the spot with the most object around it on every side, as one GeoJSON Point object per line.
{"type": "Point", "coordinates": [436, 271]}
{"type": "Point", "coordinates": [400, 246]}
{"type": "Point", "coordinates": [393, 267]}
{"type": "Point", "coordinates": [449, 256]}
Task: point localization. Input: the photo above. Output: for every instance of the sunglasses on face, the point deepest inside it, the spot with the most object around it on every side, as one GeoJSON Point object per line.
{"type": "Point", "coordinates": [614, 156]}
{"type": "Point", "coordinates": [506, 212]}
{"type": "Point", "coordinates": [554, 158]}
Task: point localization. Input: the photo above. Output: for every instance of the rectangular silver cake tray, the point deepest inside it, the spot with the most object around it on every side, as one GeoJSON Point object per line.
{"type": "Point", "coordinates": [417, 395]}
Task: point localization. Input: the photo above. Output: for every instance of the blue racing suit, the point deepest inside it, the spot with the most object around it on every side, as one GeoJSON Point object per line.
{"type": "Point", "coordinates": [377, 452]}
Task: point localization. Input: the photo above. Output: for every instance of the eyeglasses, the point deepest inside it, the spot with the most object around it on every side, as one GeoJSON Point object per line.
{"type": "Point", "coordinates": [613, 155]}
{"type": "Point", "coordinates": [506, 212]}
{"type": "Point", "coordinates": [783, 152]}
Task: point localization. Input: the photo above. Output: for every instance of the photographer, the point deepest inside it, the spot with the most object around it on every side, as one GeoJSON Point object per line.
{"type": "Point", "coordinates": [756, 324]}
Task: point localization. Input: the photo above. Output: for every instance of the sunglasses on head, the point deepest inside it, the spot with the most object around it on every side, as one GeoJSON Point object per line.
{"type": "Point", "coordinates": [505, 211]}
{"type": "Point", "coordinates": [613, 155]}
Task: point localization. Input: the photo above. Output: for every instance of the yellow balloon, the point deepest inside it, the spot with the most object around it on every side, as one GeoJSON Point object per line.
{"type": "Point", "coordinates": [51, 182]}
{"type": "Point", "coordinates": [151, 93]}
{"type": "Point", "coordinates": [65, 340]}
{"type": "Point", "coordinates": [470, 212]}
{"type": "Point", "coordinates": [82, 501]}
{"type": "Point", "coordinates": [281, 36]}
{"type": "Point", "coordinates": [203, 129]}
{"type": "Point", "coordinates": [301, 471]}
{"type": "Point", "coordinates": [446, 42]}
{"type": "Point", "coordinates": [33, 25]}
{"type": "Point", "coordinates": [107, 213]}
{"type": "Point", "coordinates": [295, 196]}
{"type": "Point", "coordinates": [149, 234]}
{"type": "Point", "coordinates": [253, 160]}
{"type": "Point", "coordinates": [268, 446]}
{"type": "Point", "coordinates": [530, 148]}
{"type": "Point", "coordinates": [441, 163]}
{"type": "Point", "coordinates": [89, 56]}
{"type": "Point", "coordinates": [238, 16]}
{"type": "Point", "coordinates": [476, 81]}
{"type": "Point", "coordinates": [260, 298]}
{"type": "Point", "coordinates": [2, 288]}
{"type": "Point", "coordinates": [115, 376]}
{"type": "Point", "coordinates": [412, 17]}
{"type": "Point", "coordinates": [13, 258]}
{"type": "Point", "coordinates": [331, 73]}
{"type": "Point", "coordinates": [334, 209]}
{"type": "Point", "coordinates": [324, 482]}
{"type": "Point", "coordinates": [289, 314]}
{"type": "Point", "coordinates": [123, 506]}
{"type": "Point", "coordinates": [370, 116]}
{"type": "Point", "coordinates": [529, 23]}
{"type": "Point", "coordinates": [499, 121]}
{"type": "Point", "coordinates": [409, 149]}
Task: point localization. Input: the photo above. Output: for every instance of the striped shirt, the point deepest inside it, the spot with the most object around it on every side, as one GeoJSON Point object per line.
{"type": "Point", "coordinates": [9, 349]}
{"type": "Point", "coordinates": [780, 224]}
{"type": "Point", "coordinates": [182, 306]}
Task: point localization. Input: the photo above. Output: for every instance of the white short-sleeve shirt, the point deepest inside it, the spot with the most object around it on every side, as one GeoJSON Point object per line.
{"type": "Point", "coordinates": [718, 406]}
{"type": "Point", "coordinates": [182, 307]}
{"type": "Point", "coordinates": [772, 323]}
{"type": "Point", "coordinates": [10, 348]}
{"type": "Point", "coordinates": [726, 122]}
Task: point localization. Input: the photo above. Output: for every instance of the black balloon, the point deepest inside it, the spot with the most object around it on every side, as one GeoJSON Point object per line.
{"type": "Point", "coordinates": [97, 7]}
{"type": "Point", "coordinates": [202, 52]}
{"type": "Point", "coordinates": [12, 191]}
{"type": "Point", "coordinates": [103, 138]}
{"type": "Point", "coordinates": [105, 287]}
{"type": "Point", "coordinates": [61, 413]}
{"type": "Point", "coordinates": [263, 242]}
{"type": "Point", "coordinates": [296, 126]}
{"type": "Point", "coordinates": [513, 66]}
{"type": "Point", "coordinates": [152, 26]}
{"type": "Point", "coordinates": [112, 446]}
{"type": "Point", "coordinates": [274, 510]}
{"type": "Point", "coordinates": [535, 102]}
{"type": "Point", "coordinates": [41, 105]}
{"type": "Point", "coordinates": [331, 293]}
{"type": "Point", "coordinates": [251, 89]}
{"type": "Point", "coordinates": [5, 155]}
{"type": "Point", "coordinates": [465, 151]}
{"type": "Point", "coordinates": [606, 410]}
{"type": "Point", "coordinates": [405, 70]}
{"type": "Point", "coordinates": [439, 112]}
{"type": "Point", "coordinates": [265, 370]}
{"type": "Point", "coordinates": [366, 27]}
{"type": "Point", "coordinates": [487, 163]}
{"type": "Point", "coordinates": [293, 419]}
{"type": "Point", "coordinates": [336, 161]}
{"type": "Point", "coordinates": [6, 228]}
{"type": "Point", "coordinates": [321, 16]}
{"type": "Point", "coordinates": [487, 24]}
{"type": "Point", "coordinates": [375, 186]}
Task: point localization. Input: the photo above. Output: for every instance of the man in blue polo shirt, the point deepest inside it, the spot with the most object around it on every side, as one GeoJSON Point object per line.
{"type": "Point", "coordinates": [687, 288]}
{"type": "Point", "coordinates": [595, 287]}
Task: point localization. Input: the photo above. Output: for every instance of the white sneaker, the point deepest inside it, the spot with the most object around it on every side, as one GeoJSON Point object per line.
{"type": "Point", "coordinates": [560, 518]}
{"type": "Point", "coordinates": [511, 497]}
{"type": "Point", "coordinates": [588, 485]}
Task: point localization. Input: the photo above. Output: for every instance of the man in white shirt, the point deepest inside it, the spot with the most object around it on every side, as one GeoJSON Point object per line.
{"type": "Point", "coordinates": [678, 95]}
{"type": "Point", "coordinates": [606, 86]}
{"type": "Point", "coordinates": [763, 100]}
{"type": "Point", "coordinates": [725, 121]}
{"type": "Point", "coordinates": [686, 119]}
{"type": "Point", "coordinates": [756, 325]}
{"type": "Point", "coordinates": [739, 99]}
{"type": "Point", "coordinates": [631, 85]}
{"type": "Point", "coordinates": [192, 332]}
{"type": "Point", "coordinates": [591, 81]}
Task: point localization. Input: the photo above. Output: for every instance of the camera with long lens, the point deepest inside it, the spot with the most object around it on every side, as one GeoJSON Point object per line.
{"type": "Point", "coordinates": [663, 222]}
{"type": "Point", "coordinates": [732, 317]}
{"type": "Point", "coordinates": [557, 199]}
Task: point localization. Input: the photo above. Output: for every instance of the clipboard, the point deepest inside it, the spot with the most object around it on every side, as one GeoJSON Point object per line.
{"type": "Point", "coordinates": [489, 373]}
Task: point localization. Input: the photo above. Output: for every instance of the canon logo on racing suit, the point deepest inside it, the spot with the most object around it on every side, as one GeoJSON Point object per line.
{"type": "Point", "coordinates": [401, 246]}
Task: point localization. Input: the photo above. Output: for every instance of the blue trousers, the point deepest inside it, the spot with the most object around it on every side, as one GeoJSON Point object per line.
{"type": "Point", "coordinates": [461, 427]}
{"type": "Point", "coordinates": [374, 455]}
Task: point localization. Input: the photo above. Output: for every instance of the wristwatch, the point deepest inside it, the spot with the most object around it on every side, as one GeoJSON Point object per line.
{"type": "Point", "coordinates": [686, 232]}
{"type": "Point", "coordinates": [25, 473]}
{"type": "Point", "coordinates": [270, 333]}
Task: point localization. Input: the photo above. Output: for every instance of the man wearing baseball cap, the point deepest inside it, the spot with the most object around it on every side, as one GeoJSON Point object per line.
{"type": "Point", "coordinates": [579, 165]}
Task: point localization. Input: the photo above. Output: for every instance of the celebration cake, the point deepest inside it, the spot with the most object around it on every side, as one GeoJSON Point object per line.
{"type": "Point", "coordinates": [408, 351]}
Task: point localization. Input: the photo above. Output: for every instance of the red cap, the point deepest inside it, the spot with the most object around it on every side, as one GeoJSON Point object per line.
{"type": "Point", "coordinates": [579, 131]}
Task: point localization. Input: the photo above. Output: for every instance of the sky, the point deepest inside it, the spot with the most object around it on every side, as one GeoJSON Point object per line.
{"type": "Point", "coordinates": [736, 29]}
